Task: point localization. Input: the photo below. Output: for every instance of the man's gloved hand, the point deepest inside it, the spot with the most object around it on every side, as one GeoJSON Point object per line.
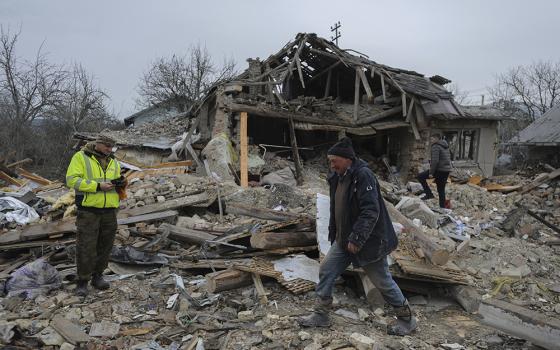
{"type": "Point", "coordinates": [106, 186]}
{"type": "Point", "coordinates": [352, 248]}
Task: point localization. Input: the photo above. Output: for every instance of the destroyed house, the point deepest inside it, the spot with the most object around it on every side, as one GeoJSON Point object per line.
{"type": "Point", "coordinates": [540, 140]}
{"type": "Point", "coordinates": [323, 92]}
{"type": "Point", "coordinates": [156, 112]}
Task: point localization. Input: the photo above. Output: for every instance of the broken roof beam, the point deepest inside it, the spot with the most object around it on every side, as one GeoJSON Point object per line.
{"type": "Point", "coordinates": [330, 55]}
{"type": "Point", "coordinates": [356, 96]}
{"type": "Point", "coordinates": [384, 114]}
{"type": "Point", "coordinates": [300, 73]}
{"type": "Point", "coordinates": [272, 113]}
{"type": "Point", "coordinates": [10, 180]}
{"type": "Point", "coordinates": [33, 177]}
{"type": "Point", "coordinates": [365, 83]}
{"type": "Point", "coordinates": [323, 72]}
{"type": "Point", "coordinates": [294, 59]}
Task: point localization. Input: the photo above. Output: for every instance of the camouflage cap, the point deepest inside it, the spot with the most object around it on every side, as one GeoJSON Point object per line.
{"type": "Point", "coordinates": [105, 139]}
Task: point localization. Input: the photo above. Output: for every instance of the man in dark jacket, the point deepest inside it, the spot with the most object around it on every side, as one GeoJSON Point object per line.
{"type": "Point", "coordinates": [440, 167]}
{"type": "Point", "coordinates": [361, 233]}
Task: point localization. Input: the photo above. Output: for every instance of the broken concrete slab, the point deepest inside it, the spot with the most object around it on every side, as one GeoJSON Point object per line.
{"type": "Point", "coordinates": [70, 331]}
{"type": "Point", "coordinates": [362, 342]}
{"type": "Point", "coordinates": [221, 157]}
{"type": "Point", "coordinates": [414, 208]}
{"type": "Point", "coordinates": [104, 329]}
{"type": "Point", "coordinates": [49, 336]}
{"type": "Point", "coordinates": [521, 322]}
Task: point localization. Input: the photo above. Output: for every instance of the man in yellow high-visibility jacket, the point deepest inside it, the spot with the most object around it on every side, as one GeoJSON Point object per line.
{"type": "Point", "coordinates": [92, 173]}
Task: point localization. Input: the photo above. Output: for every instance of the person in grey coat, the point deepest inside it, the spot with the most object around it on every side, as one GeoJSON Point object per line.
{"type": "Point", "coordinates": [440, 167]}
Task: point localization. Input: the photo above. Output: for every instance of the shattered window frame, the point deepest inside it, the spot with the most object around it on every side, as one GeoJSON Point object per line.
{"type": "Point", "coordinates": [463, 143]}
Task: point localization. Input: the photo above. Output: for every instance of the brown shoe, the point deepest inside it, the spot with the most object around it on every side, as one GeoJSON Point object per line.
{"type": "Point", "coordinates": [98, 282]}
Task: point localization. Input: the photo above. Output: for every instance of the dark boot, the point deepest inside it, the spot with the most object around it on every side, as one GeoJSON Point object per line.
{"type": "Point", "coordinates": [320, 315]}
{"type": "Point", "coordinates": [405, 322]}
{"type": "Point", "coordinates": [81, 288]}
{"type": "Point", "coordinates": [98, 282]}
{"type": "Point", "coordinates": [315, 319]}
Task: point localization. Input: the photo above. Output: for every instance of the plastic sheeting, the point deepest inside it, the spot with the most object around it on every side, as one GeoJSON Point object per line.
{"type": "Point", "coordinates": [298, 266]}
{"type": "Point", "coordinates": [13, 210]}
{"type": "Point", "coordinates": [33, 279]}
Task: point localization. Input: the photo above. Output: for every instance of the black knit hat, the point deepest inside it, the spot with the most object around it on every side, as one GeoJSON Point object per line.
{"type": "Point", "coordinates": [342, 148]}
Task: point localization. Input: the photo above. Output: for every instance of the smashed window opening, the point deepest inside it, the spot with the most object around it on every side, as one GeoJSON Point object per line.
{"type": "Point", "coordinates": [463, 143]}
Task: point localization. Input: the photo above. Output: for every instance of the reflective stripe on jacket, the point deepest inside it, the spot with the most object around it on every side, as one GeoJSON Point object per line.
{"type": "Point", "coordinates": [85, 173]}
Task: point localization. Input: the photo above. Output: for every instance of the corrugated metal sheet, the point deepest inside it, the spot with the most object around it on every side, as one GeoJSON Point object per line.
{"type": "Point", "coordinates": [544, 130]}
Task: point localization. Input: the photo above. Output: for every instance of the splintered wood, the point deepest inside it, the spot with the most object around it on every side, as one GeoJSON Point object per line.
{"type": "Point", "coordinates": [413, 266]}
{"type": "Point", "coordinates": [266, 268]}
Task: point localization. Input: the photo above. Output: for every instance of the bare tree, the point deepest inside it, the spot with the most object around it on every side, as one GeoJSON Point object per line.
{"type": "Point", "coordinates": [460, 96]}
{"type": "Point", "coordinates": [536, 86]}
{"type": "Point", "coordinates": [182, 80]}
{"type": "Point", "coordinates": [81, 101]}
{"type": "Point", "coordinates": [29, 87]}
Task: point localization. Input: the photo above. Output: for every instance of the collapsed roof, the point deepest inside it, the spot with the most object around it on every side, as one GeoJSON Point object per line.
{"type": "Point", "coordinates": [337, 87]}
{"type": "Point", "coordinates": [544, 131]}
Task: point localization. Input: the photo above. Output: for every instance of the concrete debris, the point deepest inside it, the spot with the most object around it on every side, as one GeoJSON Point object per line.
{"type": "Point", "coordinates": [104, 329]}
{"type": "Point", "coordinates": [184, 276]}
{"type": "Point", "coordinates": [362, 342]}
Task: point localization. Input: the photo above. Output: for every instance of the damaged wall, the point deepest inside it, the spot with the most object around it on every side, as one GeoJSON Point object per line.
{"type": "Point", "coordinates": [486, 142]}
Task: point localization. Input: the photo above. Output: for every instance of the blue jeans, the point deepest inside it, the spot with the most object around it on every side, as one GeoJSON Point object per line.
{"type": "Point", "coordinates": [336, 262]}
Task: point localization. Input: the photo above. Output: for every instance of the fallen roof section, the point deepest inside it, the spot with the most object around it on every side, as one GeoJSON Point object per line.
{"type": "Point", "coordinates": [544, 131]}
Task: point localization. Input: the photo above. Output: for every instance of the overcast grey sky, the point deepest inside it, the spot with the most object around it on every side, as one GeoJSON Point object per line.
{"type": "Point", "coordinates": [466, 41]}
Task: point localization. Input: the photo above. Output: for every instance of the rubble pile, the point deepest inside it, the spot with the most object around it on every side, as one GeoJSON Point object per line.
{"type": "Point", "coordinates": [191, 271]}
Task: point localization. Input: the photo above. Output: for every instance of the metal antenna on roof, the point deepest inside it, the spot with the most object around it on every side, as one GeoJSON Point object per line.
{"type": "Point", "coordinates": [336, 31]}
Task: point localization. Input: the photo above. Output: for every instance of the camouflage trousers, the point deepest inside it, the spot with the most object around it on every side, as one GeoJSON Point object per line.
{"type": "Point", "coordinates": [96, 234]}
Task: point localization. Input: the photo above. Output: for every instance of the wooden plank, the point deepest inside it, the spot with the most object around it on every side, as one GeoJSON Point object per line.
{"type": "Point", "coordinates": [14, 265]}
{"type": "Point", "coordinates": [199, 165]}
{"type": "Point", "coordinates": [164, 215]}
{"type": "Point", "coordinates": [415, 128]}
{"type": "Point", "coordinates": [186, 235]}
{"type": "Point", "coordinates": [199, 199]}
{"type": "Point", "coordinates": [466, 296]}
{"type": "Point", "coordinates": [20, 162]}
{"type": "Point", "coordinates": [420, 116]}
{"type": "Point", "coordinates": [323, 72]}
{"type": "Point", "coordinates": [383, 88]}
{"type": "Point", "coordinates": [300, 73]}
{"type": "Point", "coordinates": [356, 96]}
{"type": "Point", "coordinates": [69, 331]}
{"type": "Point", "coordinates": [435, 253]}
{"type": "Point", "coordinates": [34, 177]}
{"type": "Point", "coordinates": [403, 102]}
{"type": "Point", "coordinates": [372, 72]}
{"type": "Point", "coordinates": [260, 213]}
{"type": "Point", "coordinates": [243, 159]}
{"type": "Point", "coordinates": [44, 230]}
{"type": "Point", "coordinates": [35, 244]}
{"type": "Point", "coordinates": [410, 108]}
{"type": "Point", "coordinates": [273, 240]}
{"type": "Point", "coordinates": [365, 83]}
{"type": "Point", "coordinates": [10, 180]}
{"type": "Point", "coordinates": [261, 292]}
{"type": "Point", "coordinates": [269, 113]}
{"type": "Point", "coordinates": [171, 164]}
{"type": "Point", "coordinates": [227, 279]}
{"type": "Point", "coordinates": [381, 115]}
{"type": "Point", "coordinates": [295, 153]}
{"type": "Point", "coordinates": [540, 180]}
{"type": "Point", "coordinates": [520, 322]}
{"type": "Point", "coordinates": [328, 84]}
